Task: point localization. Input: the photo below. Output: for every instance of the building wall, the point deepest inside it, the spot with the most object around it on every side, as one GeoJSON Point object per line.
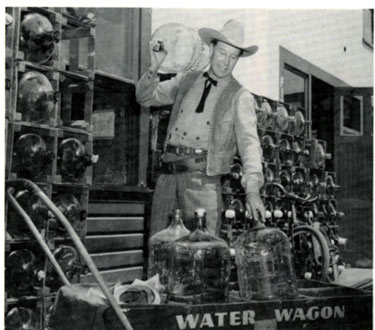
{"type": "Point", "coordinates": [330, 39]}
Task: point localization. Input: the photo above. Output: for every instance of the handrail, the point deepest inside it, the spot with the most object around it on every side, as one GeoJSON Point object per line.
{"type": "Point", "coordinates": [32, 187]}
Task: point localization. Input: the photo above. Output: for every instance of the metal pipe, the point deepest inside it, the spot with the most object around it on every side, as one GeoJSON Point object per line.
{"type": "Point", "coordinates": [38, 237]}
{"type": "Point", "coordinates": [79, 245]}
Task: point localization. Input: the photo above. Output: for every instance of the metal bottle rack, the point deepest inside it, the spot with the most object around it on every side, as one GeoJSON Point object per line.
{"type": "Point", "coordinates": [297, 162]}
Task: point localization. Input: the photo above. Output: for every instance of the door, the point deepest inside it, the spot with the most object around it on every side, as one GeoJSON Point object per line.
{"type": "Point", "coordinates": [354, 166]}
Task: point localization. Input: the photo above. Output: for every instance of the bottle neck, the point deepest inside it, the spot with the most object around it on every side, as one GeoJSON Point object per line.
{"type": "Point", "coordinates": [176, 221]}
{"type": "Point", "coordinates": [202, 223]}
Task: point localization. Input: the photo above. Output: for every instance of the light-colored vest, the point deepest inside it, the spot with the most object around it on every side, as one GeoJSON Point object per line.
{"type": "Point", "coordinates": [221, 139]}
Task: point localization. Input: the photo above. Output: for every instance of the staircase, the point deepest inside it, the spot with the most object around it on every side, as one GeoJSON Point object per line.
{"type": "Point", "coordinates": [116, 239]}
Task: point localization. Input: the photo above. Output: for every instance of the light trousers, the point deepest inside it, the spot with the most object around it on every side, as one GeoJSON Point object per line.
{"type": "Point", "coordinates": [187, 191]}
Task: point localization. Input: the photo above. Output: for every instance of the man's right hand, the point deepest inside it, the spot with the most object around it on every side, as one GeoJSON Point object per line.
{"type": "Point", "coordinates": [157, 54]}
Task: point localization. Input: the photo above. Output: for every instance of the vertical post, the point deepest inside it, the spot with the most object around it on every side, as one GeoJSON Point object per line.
{"type": "Point", "coordinates": [144, 119]}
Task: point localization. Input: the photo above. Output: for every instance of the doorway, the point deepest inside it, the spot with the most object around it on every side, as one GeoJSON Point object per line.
{"type": "Point", "coordinates": [322, 115]}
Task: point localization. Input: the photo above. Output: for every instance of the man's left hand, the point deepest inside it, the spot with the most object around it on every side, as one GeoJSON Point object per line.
{"type": "Point", "coordinates": [255, 207]}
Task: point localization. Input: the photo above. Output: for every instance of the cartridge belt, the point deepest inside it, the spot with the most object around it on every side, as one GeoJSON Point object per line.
{"type": "Point", "coordinates": [181, 151]}
{"type": "Point", "coordinates": [184, 165]}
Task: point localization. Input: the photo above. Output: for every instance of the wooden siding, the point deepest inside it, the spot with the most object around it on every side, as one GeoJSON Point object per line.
{"type": "Point", "coordinates": [354, 166]}
{"type": "Point", "coordinates": [116, 239]}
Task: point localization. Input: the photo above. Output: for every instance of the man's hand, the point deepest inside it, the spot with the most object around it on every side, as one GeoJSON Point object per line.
{"type": "Point", "coordinates": [157, 54]}
{"type": "Point", "coordinates": [255, 207]}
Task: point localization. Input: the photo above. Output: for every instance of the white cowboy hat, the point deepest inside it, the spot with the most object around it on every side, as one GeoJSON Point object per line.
{"type": "Point", "coordinates": [232, 34]}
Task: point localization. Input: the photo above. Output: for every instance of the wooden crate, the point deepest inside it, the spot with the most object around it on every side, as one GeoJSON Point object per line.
{"type": "Point", "coordinates": [56, 20]}
{"type": "Point", "coordinates": [32, 305]}
{"type": "Point", "coordinates": [87, 140]}
{"type": "Point", "coordinates": [12, 37]}
{"type": "Point", "coordinates": [66, 54]}
{"type": "Point", "coordinates": [28, 238]}
{"type": "Point", "coordinates": [76, 102]}
{"type": "Point", "coordinates": [78, 48]}
{"type": "Point", "coordinates": [77, 43]}
{"type": "Point", "coordinates": [54, 77]}
{"type": "Point", "coordinates": [9, 64]}
{"type": "Point", "coordinates": [73, 93]}
{"type": "Point", "coordinates": [17, 129]}
{"type": "Point", "coordinates": [82, 195]}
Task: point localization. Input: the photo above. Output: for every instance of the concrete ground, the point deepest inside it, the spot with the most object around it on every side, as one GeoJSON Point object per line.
{"type": "Point", "coordinates": [352, 276]}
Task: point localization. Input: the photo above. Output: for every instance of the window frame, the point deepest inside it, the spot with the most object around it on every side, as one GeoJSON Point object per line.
{"type": "Point", "coordinates": [346, 131]}
{"type": "Point", "coordinates": [286, 57]}
{"type": "Point", "coordinates": [304, 76]}
{"type": "Point", "coordinates": [368, 27]}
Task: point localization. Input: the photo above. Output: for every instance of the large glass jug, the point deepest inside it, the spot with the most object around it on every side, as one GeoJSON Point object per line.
{"type": "Point", "coordinates": [38, 37]}
{"type": "Point", "coordinates": [35, 97]}
{"type": "Point", "coordinates": [20, 272]}
{"type": "Point", "coordinates": [160, 247]}
{"type": "Point", "coordinates": [72, 209]}
{"type": "Point", "coordinates": [200, 267]}
{"type": "Point", "coordinates": [73, 159]}
{"type": "Point", "coordinates": [264, 265]}
{"type": "Point", "coordinates": [20, 318]}
{"type": "Point", "coordinates": [17, 228]}
{"type": "Point", "coordinates": [31, 156]}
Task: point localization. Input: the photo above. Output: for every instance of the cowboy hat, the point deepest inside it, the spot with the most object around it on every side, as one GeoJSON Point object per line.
{"type": "Point", "coordinates": [232, 34]}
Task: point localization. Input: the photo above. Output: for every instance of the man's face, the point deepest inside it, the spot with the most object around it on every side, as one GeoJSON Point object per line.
{"type": "Point", "coordinates": [223, 60]}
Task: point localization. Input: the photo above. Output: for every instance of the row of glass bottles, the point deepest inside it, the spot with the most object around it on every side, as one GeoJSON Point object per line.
{"type": "Point", "coordinates": [195, 267]}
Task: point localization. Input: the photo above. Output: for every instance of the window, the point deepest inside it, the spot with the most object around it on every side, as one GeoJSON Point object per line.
{"type": "Point", "coordinates": [351, 115]}
{"type": "Point", "coordinates": [116, 132]}
{"type": "Point", "coordinates": [368, 27]}
{"type": "Point", "coordinates": [295, 87]}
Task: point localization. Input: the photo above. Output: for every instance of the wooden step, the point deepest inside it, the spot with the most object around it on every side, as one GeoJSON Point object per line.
{"type": "Point", "coordinates": [116, 208]}
{"type": "Point", "coordinates": [108, 243]}
{"type": "Point", "coordinates": [114, 224]}
{"type": "Point", "coordinates": [117, 259]}
{"type": "Point", "coordinates": [124, 275]}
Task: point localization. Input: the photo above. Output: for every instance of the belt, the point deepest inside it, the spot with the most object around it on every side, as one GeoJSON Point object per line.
{"type": "Point", "coordinates": [185, 150]}
{"type": "Point", "coordinates": [184, 165]}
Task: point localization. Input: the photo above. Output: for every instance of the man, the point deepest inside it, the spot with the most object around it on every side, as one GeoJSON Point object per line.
{"type": "Point", "coordinates": [212, 118]}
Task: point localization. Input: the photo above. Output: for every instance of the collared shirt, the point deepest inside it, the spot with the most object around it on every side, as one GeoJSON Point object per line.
{"type": "Point", "coordinates": [151, 92]}
{"type": "Point", "coordinates": [191, 128]}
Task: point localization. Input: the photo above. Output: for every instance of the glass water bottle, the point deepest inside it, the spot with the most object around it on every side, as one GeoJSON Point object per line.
{"type": "Point", "coordinates": [160, 246]}
{"type": "Point", "coordinates": [264, 265]}
{"type": "Point", "coordinates": [200, 266]}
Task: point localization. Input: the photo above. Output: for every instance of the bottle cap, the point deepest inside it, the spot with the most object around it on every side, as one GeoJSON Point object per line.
{"type": "Point", "coordinates": [200, 212]}
{"type": "Point", "coordinates": [94, 159]}
{"type": "Point", "coordinates": [230, 214]}
{"type": "Point", "coordinates": [178, 213]}
{"type": "Point", "coordinates": [41, 275]}
{"type": "Point", "coordinates": [268, 214]}
{"type": "Point", "coordinates": [278, 214]}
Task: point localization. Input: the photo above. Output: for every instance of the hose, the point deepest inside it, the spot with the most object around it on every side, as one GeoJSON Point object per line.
{"type": "Point", "coordinates": [31, 186]}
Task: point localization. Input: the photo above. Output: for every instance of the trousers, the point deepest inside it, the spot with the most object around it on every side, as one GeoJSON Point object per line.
{"type": "Point", "coordinates": [187, 191]}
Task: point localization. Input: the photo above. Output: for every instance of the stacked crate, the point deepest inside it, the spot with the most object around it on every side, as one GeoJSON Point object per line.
{"type": "Point", "coordinates": [69, 68]}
